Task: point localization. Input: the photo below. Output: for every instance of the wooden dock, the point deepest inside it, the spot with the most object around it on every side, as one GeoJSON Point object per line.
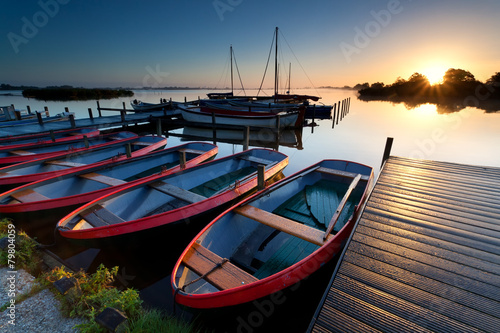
{"type": "Point", "coordinates": [424, 256]}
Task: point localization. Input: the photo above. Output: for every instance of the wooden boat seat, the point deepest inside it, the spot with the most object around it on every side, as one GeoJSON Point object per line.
{"type": "Point", "coordinates": [177, 192]}
{"type": "Point", "coordinates": [277, 222]}
{"type": "Point", "coordinates": [256, 159]}
{"type": "Point", "coordinates": [103, 179]}
{"type": "Point", "coordinates": [192, 151]}
{"type": "Point", "coordinates": [65, 163]}
{"type": "Point", "coordinates": [21, 152]}
{"type": "Point", "coordinates": [140, 143]}
{"type": "Point", "coordinates": [344, 174]}
{"type": "Point", "coordinates": [98, 216]}
{"type": "Point", "coordinates": [28, 195]}
{"type": "Point", "coordinates": [203, 262]}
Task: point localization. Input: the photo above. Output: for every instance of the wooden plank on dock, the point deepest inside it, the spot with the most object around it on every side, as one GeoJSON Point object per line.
{"type": "Point", "coordinates": [424, 256]}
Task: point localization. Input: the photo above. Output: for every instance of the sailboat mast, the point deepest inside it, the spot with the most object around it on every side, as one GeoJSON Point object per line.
{"type": "Point", "coordinates": [276, 69]}
{"type": "Point", "coordinates": [289, 76]}
{"type": "Point", "coordinates": [231, 52]}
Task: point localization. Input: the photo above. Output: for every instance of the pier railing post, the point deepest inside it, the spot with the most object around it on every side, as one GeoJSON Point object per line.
{"type": "Point", "coordinates": [39, 117]}
{"type": "Point", "coordinates": [261, 182]}
{"type": "Point", "coordinates": [72, 120]}
{"type": "Point", "coordinates": [334, 113]}
{"type": "Point", "coordinates": [246, 137]}
{"type": "Point", "coordinates": [387, 150]}
{"type": "Point", "coordinates": [91, 116]}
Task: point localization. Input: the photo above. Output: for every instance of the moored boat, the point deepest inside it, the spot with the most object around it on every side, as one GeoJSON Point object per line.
{"type": "Point", "coordinates": [63, 192]}
{"type": "Point", "coordinates": [19, 141]}
{"type": "Point", "coordinates": [170, 201]}
{"type": "Point", "coordinates": [164, 105]}
{"type": "Point", "coordinates": [67, 162]}
{"type": "Point", "coordinates": [273, 239]}
{"type": "Point", "coordinates": [205, 115]}
{"type": "Point", "coordinates": [34, 151]}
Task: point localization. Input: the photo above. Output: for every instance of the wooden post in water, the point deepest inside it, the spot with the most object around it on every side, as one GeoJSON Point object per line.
{"type": "Point", "coordinates": [158, 126]}
{"type": "Point", "coordinates": [128, 149]}
{"type": "Point", "coordinates": [91, 116]}
{"type": "Point", "coordinates": [99, 109]}
{"type": "Point", "coordinates": [214, 130]}
{"type": "Point", "coordinates": [39, 117]}
{"type": "Point", "coordinates": [246, 138]}
{"type": "Point", "coordinates": [261, 182]}
{"type": "Point", "coordinates": [182, 159]}
{"type": "Point", "coordinates": [72, 120]}
{"type": "Point", "coordinates": [17, 113]}
{"type": "Point", "coordinates": [334, 112]}
{"type": "Point", "coordinates": [29, 109]}
{"type": "Point", "coordinates": [46, 109]}
{"type": "Point", "coordinates": [338, 114]}
{"type": "Point", "coordinates": [278, 119]}
{"type": "Point", "coordinates": [387, 150]}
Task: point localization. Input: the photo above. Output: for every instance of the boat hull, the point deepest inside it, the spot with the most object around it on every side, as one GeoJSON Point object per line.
{"type": "Point", "coordinates": [142, 195]}
{"type": "Point", "coordinates": [32, 171]}
{"type": "Point", "coordinates": [132, 169]}
{"type": "Point", "coordinates": [243, 118]}
{"type": "Point", "coordinates": [237, 229]}
{"type": "Point", "coordinates": [46, 150]}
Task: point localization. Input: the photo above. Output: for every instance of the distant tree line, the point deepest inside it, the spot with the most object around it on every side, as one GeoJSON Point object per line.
{"type": "Point", "coordinates": [69, 93]}
{"type": "Point", "coordinates": [457, 83]}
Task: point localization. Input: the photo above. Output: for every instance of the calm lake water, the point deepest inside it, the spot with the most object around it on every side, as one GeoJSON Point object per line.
{"type": "Point", "coordinates": [469, 136]}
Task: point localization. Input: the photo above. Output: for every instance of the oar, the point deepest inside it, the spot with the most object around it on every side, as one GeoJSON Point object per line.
{"type": "Point", "coordinates": [341, 206]}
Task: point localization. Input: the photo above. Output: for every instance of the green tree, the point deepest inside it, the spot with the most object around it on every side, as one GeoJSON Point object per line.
{"type": "Point", "coordinates": [453, 75]}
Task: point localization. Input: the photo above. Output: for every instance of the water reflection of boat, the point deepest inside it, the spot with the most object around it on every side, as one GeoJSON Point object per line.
{"type": "Point", "coordinates": [265, 137]}
{"type": "Point", "coordinates": [170, 201]}
{"type": "Point", "coordinates": [273, 239]}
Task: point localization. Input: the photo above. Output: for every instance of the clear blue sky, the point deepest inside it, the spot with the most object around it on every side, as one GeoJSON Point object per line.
{"type": "Point", "coordinates": [186, 43]}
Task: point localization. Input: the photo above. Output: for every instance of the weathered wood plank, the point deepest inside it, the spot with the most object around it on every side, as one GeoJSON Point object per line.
{"type": "Point", "coordinates": [65, 163]}
{"type": "Point", "coordinates": [21, 152]}
{"type": "Point", "coordinates": [28, 195]}
{"type": "Point", "coordinates": [444, 274]}
{"type": "Point", "coordinates": [291, 227]}
{"type": "Point", "coordinates": [419, 295]}
{"type": "Point", "coordinates": [425, 236]}
{"type": "Point", "coordinates": [177, 192]}
{"type": "Point", "coordinates": [203, 262]}
{"type": "Point", "coordinates": [255, 159]}
{"type": "Point", "coordinates": [102, 179]}
{"type": "Point", "coordinates": [403, 307]}
{"type": "Point", "coordinates": [396, 277]}
{"type": "Point", "coordinates": [340, 173]}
